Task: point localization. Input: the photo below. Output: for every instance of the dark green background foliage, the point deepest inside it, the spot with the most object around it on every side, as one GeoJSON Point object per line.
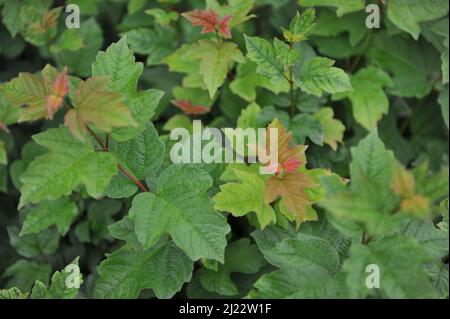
{"type": "Point", "coordinates": [371, 104]}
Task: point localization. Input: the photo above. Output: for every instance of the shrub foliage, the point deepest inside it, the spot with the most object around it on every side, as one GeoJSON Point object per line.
{"type": "Point", "coordinates": [93, 207]}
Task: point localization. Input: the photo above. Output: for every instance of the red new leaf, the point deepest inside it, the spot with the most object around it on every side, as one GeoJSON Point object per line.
{"type": "Point", "coordinates": [190, 109]}
{"type": "Point", "coordinates": [208, 19]}
{"type": "Point", "coordinates": [290, 158]}
{"type": "Point", "coordinates": [59, 89]}
{"type": "Point", "coordinates": [224, 27]}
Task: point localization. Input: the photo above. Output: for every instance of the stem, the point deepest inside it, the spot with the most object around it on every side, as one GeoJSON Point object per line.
{"type": "Point", "coordinates": [97, 138]}
{"type": "Point", "coordinates": [219, 39]}
{"type": "Point", "coordinates": [132, 178]}
{"type": "Point", "coordinates": [365, 47]}
{"type": "Point", "coordinates": [365, 239]}
{"type": "Point", "coordinates": [105, 147]}
{"type": "Point", "coordinates": [107, 141]}
{"type": "Point", "coordinates": [293, 95]}
{"type": "Point", "coordinates": [292, 85]}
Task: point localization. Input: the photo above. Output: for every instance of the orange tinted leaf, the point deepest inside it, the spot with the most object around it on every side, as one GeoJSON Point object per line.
{"type": "Point", "coordinates": [224, 27]}
{"type": "Point", "coordinates": [208, 19]}
{"type": "Point", "coordinates": [403, 182]}
{"type": "Point", "coordinates": [59, 89]}
{"type": "Point", "coordinates": [48, 20]}
{"type": "Point", "coordinates": [75, 124]}
{"type": "Point", "coordinates": [32, 92]}
{"type": "Point", "coordinates": [416, 205]}
{"type": "Point", "coordinates": [28, 91]}
{"type": "Point", "coordinates": [96, 106]}
{"type": "Point", "coordinates": [290, 158]}
{"type": "Point", "coordinates": [188, 108]}
{"type": "Point", "coordinates": [53, 103]}
{"type": "Point", "coordinates": [60, 86]}
{"type": "Point", "coordinates": [291, 188]}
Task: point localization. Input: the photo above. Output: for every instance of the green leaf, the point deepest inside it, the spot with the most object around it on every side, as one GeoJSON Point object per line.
{"type": "Point", "coordinates": [333, 129]}
{"type": "Point", "coordinates": [390, 255]}
{"type": "Point", "coordinates": [407, 14]}
{"type": "Point", "coordinates": [121, 187]}
{"type": "Point", "coordinates": [435, 186]}
{"type": "Point", "coordinates": [355, 211]}
{"type": "Point", "coordinates": [125, 273]}
{"type": "Point", "coordinates": [248, 116]}
{"type": "Point", "coordinates": [28, 153]}
{"type": "Point", "coordinates": [124, 230]}
{"type": "Point", "coordinates": [368, 203]}
{"type": "Point", "coordinates": [181, 208]}
{"type": "Point", "coordinates": [444, 58]}
{"type": "Point", "coordinates": [23, 273]}
{"type": "Point", "coordinates": [342, 6]}
{"type": "Point", "coordinates": [369, 101]}
{"type": "Point", "coordinates": [325, 230]}
{"type": "Point", "coordinates": [308, 267]}
{"type": "Point", "coordinates": [9, 114]}
{"type": "Point", "coordinates": [178, 121]}
{"type": "Point", "coordinates": [34, 245]}
{"type": "Point", "coordinates": [63, 168]}
{"type": "Point", "coordinates": [118, 63]}
{"type": "Point", "coordinates": [63, 285]}
{"type": "Point", "coordinates": [306, 125]}
{"type": "Point", "coordinates": [157, 43]}
{"type": "Point", "coordinates": [135, 5]}
{"type": "Point", "coordinates": [183, 60]}
{"type": "Point", "coordinates": [143, 155]}
{"type": "Point", "coordinates": [246, 196]}
{"type": "Point", "coordinates": [269, 113]}
{"type": "Point", "coordinates": [215, 60]}
{"type": "Point", "coordinates": [27, 90]}
{"type": "Point", "coordinates": [444, 223]}
{"type": "Point", "coordinates": [195, 96]}
{"type": "Point", "coordinates": [39, 23]}
{"type": "Point", "coordinates": [327, 25]}
{"type": "Point", "coordinates": [285, 54]}
{"type": "Point", "coordinates": [80, 61]}
{"type": "Point", "coordinates": [10, 15]}
{"type": "Point", "coordinates": [263, 54]}
{"type": "Point", "coordinates": [411, 64]}
{"type": "Point", "coordinates": [12, 293]}
{"type": "Point", "coordinates": [371, 162]}
{"type": "Point", "coordinates": [443, 101]}
{"type": "Point", "coordinates": [301, 26]}
{"type": "Point", "coordinates": [3, 153]}
{"type": "Point", "coordinates": [69, 40]}
{"type": "Point", "coordinates": [318, 75]}
{"type": "Point", "coordinates": [439, 277]}
{"type": "Point", "coordinates": [142, 107]}
{"type": "Point", "coordinates": [162, 17]}
{"type": "Point", "coordinates": [424, 232]}
{"type": "Point", "coordinates": [60, 212]}
{"type": "Point", "coordinates": [94, 228]}
{"type": "Point", "coordinates": [240, 257]}
{"type": "Point", "coordinates": [248, 80]}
